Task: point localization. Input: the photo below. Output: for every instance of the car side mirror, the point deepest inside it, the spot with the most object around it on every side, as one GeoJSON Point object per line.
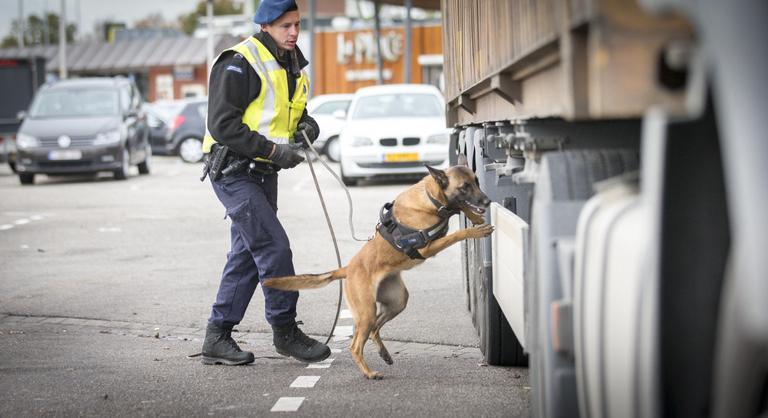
{"type": "Point", "coordinates": [21, 115]}
{"type": "Point", "coordinates": [340, 114]}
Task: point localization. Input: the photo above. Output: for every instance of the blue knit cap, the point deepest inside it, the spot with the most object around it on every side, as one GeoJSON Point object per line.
{"type": "Point", "coordinates": [270, 10]}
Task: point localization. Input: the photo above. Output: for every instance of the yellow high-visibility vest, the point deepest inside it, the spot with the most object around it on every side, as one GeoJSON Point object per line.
{"type": "Point", "coordinates": [272, 114]}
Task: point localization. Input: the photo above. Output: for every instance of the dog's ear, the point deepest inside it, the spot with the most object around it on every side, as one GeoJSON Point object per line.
{"type": "Point", "coordinates": [439, 176]}
{"type": "Point", "coordinates": [462, 160]}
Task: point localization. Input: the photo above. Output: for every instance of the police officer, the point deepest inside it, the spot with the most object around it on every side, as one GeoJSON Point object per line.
{"type": "Point", "coordinates": [256, 111]}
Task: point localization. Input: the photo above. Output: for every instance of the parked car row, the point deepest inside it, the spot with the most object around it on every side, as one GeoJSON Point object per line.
{"type": "Point", "coordinates": [90, 125]}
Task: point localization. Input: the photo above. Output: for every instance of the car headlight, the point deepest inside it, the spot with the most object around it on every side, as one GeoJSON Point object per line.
{"type": "Point", "coordinates": [440, 139]}
{"type": "Point", "coordinates": [361, 141]}
{"type": "Point", "coordinates": [107, 138]}
{"type": "Point", "coordinates": [26, 141]}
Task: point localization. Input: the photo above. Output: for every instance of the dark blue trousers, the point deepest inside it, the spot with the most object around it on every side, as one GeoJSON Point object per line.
{"type": "Point", "coordinates": [259, 250]}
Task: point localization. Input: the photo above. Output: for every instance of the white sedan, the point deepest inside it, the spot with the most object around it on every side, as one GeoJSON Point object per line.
{"type": "Point", "coordinates": [329, 111]}
{"type": "Point", "coordinates": [393, 130]}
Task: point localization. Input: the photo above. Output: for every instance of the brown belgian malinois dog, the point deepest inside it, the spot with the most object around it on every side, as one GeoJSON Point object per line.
{"type": "Point", "coordinates": [373, 274]}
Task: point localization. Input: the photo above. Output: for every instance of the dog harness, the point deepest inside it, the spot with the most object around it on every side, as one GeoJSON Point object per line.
{"type": "Point", "coordinates": [408, 240]}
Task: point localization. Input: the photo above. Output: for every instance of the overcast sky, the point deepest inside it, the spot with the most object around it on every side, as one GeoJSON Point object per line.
{"type": "Point", "coordinates": [85, 13]}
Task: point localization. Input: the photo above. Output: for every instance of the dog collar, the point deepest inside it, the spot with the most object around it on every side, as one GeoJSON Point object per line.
{"type": "Point", "coordinates": [443, 211]}
{"type": "Point", "coordinates": [408, 240]}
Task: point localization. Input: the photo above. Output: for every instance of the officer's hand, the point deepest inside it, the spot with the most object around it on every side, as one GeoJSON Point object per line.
{"type": "Point", "coordinates": [298, 137]}
{"type": "Point", "coordinates": [285, 155]}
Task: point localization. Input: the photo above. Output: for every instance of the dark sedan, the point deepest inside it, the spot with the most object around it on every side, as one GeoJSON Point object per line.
{"type": "Point", "coordinates": [177, 127]}
{"type": "Point", "coordinates": [84, 126]}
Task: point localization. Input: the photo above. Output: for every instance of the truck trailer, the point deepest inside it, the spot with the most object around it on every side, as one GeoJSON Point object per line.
{"type": "Point", "coordinates": [623, 145]}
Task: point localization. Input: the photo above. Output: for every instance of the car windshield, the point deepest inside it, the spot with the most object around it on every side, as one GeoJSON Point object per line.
{"type": "Point", "coordinates": [397, 105]}
{"type": "Point", "coordinates": [75, 102]}
{"type": "Point", "coordinates": [167, 111]}
{"type": "Point", "coordinates": [328, 108]}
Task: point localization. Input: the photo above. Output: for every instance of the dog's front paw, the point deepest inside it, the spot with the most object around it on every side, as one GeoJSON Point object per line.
{"type": "Point", "coordinates": [374, 376]}
{"type": "Point", "coordinates": [480, 231]}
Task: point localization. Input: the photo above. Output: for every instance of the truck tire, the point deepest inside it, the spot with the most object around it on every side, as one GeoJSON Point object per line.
{"type": "Point", "coordinates": [498, 343]}
{"type": "Point", "coordinates": [566, 180]}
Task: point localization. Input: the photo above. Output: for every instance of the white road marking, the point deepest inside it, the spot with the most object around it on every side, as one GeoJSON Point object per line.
{"type": "Point", "coordinates": [134, 188]}
{"type": "Point", "coordinates": [305, 382]}
{"type": "Point", "coordinates": [336, 350]}
{"type": "Point", "coordinates": [36, 217]}
{"type": "Point", "coordinates": [5, 227]}
{"type": "Point", "coordinates": [342, 332]}
{"type": "Point", "coordinates": [21, 221]}
{"type": "Point", "coordinates": [322, 365]}
{"type": "Point", "coordinates": [24, 247]}
{"type": "Point", "coordinates": [110, 229]}
{"type": "Point", "coordinates": [345, 313]}
{"type": "Point", "coordinates": [287, 404]}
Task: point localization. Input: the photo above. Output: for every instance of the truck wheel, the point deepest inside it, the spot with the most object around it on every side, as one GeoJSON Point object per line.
{"type": "Point", "coordinates": [26, 179]}
{"type": "Point", "coordinates": [498, 342]}
{"type": "Point", "coordinates": [565, 182]}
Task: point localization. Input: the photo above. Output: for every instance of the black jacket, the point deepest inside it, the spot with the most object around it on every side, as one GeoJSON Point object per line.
{"type": "Point", "coordinates": [233, 86]}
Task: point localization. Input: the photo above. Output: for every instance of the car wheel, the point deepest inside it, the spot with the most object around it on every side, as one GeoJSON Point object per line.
{"type": "Point", "coordinates": [191, 150]}
{"type": "Point", "coordinates": [26, 178]}
{"type": "Point", "coordinates": [333, 149]}
{"type": "Point", "coordinates": [125, 166]}
{"type": "Point", "coordinates": [146, 166]}
{"type": "Point", "coordinates": [348, 181]}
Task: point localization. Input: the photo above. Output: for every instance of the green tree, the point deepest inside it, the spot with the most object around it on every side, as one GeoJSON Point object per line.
{"type": "Point", "coordinates": [188, 22]}
{"type": "Point", "coordinates": [38, 31]}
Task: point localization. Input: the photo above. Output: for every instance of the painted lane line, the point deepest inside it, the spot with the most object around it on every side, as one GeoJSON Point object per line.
{"type": "Point", "coordinates": [110, 229]}
{"type": "Point", "coordinates": [305, 382]}
{"type": "Point", "coordinates": [5, 227]}
{"type": "Point", "coordinates": [287, 404]}
{"type": "Point", "coordinates": [21, 221]}
{"type": "Point", "coordinates": [36, 217]}
{"type": "Point", "coordinates": [321, 365]}
{"type": "Point", "coordinates": [336, 350]}
{"type": "Point", "coordinates": [345, 313]}
{"type": "Point", "coordinates": [342, 332]}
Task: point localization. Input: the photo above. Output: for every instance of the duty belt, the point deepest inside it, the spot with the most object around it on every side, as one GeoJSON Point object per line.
{"type": "Point", "coordinates": [223, 161]}
{"type": "Point", "coordinates": [408, 240]}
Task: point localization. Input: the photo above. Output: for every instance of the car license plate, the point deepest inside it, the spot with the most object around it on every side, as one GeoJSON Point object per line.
{"type": "Point", "coordinates": [401, 157]}
{"type": "Point", "coordinates": [69, 154]}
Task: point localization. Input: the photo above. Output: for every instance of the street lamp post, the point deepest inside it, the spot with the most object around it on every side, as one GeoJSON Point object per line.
{"type": "Point", "coordinates": [63, 41]}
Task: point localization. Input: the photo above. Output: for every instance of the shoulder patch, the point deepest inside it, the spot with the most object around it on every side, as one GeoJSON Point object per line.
{"type": "Point", "coordinates": [235, 69]}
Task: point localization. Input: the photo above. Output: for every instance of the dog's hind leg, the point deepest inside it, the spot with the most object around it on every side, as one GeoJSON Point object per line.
{"type": "Point", "coordinates": [362, 302]}
{"type": "Point", "coordinates": [393, 297]}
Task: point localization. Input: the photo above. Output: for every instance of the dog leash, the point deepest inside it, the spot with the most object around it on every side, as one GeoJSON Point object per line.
{"type": "Point", "coordinates": [328, 219]}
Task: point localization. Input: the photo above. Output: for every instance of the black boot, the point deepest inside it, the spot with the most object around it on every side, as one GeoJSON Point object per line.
{"type": "Point", "coordinates": [291, 341]}
{"type": "Point", "coordinates": [220, 348]}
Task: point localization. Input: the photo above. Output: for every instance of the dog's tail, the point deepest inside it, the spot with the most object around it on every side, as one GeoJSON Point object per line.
{"type": "Point", "coordinates": [305, 281]}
